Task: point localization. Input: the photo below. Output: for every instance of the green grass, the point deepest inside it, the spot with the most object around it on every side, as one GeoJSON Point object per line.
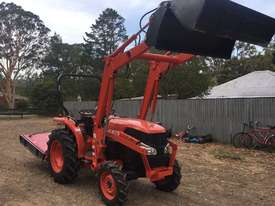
{"type": "Point", "coordinates": [225, 154]}
{"type": "Point", "coordinates": [269, 150]}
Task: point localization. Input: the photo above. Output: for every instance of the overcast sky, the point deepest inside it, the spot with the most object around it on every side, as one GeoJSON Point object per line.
{"type": "Point", "coordinates": [72, 18]}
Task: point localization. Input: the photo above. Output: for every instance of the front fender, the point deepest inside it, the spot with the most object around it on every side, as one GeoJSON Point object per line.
{"type": "Point", "coordinates": [76, 131]}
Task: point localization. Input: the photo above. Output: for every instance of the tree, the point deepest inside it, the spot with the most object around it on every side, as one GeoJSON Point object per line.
{"type": "Point", "coordinates": [244, 50]}
{"type": "Point", "coordinates": [246, 58]}
{"type": "Point", "coordinates": [187, 80]}
{"type": "Point", "coordinates": [44, 97]}
{"type": "Point", "coordinates": [52, 61]}
{"type": "Point", "coordinates": [23, 37]}
{"type": "Point", "coordinates": [69, 58]}
{"type": "Point", "coordinates": [272, 49]}
{"type": "Point", "coordinates": [106, 34]}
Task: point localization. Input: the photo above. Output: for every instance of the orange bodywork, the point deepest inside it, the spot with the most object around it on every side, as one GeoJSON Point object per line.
{"type": "Point", "coordinates": [115, 127]}
{"type": "Point", "coordinates": [158, 68]}
{"type": "Point", "coordinates": [121, 124]}
{"type": "Point", "coordinates": [76, 131]}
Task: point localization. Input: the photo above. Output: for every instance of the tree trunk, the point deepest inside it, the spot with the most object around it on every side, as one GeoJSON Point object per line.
{"type": "Point", "coordinates": [9, 93]}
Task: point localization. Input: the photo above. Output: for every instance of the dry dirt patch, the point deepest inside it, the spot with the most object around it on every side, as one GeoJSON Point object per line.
{"type": "Point", "coordinates": [212, 175]}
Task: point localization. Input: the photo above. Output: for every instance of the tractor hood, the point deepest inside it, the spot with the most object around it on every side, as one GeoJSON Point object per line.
{"type": "Point", "coordinates": [207, 27]}
{"type": "Point", "coordinates": [141, 125]}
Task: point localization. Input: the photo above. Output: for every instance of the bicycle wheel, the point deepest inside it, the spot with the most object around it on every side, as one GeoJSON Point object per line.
{"type": "Point", "coordinates": [236, 139]}
{"type": "Point", "coordinates": [246, 141]}
{"type": "Point", "coordinates": [271, 141]}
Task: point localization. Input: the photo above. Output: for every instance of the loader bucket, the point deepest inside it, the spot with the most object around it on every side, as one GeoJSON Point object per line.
{"type": "Point", "coordinates": [166, 33]}
{"type": "Point", "coordinates": [207, 27]}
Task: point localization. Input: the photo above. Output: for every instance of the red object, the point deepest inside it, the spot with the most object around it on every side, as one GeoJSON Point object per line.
{"type": "Point", "coordinates": [121, 140]}
{"type": "Point", "coordinates": [57, 160]}
{"type": "Point", "coordinates": [253, 135]}
{"type": "Point", "coordinates": [36, 143]}
{"type": "Point", "coordinates": [115, 128]}
{"type": "Point", "coordinates": [147, 127]}
{"type": "Point", "coordinates": [81, 146]}
{"type": "Point", "coordinates": [2, 100]}
{"type": "Point", "coordinates": [108, 186]}
{"type": "Point", "coordinates": [158, 68]}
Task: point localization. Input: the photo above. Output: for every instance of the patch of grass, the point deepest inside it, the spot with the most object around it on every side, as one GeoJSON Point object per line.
{"type": "Point", "coordinates": [269, 150]}
{"type": "Point", "coordinates": [225, 154]}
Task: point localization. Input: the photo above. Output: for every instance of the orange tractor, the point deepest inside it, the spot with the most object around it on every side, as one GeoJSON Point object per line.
{"type": "Point", "coordinates": [122, 149]}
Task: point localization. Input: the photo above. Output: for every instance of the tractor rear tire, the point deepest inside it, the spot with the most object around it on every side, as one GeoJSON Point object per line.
{"type": "Point", "coordinates": [62, 156]}
{"type": "Point", "coordinates": [112, 184]}
{"type": "Point", "coordinates": [170, 183]}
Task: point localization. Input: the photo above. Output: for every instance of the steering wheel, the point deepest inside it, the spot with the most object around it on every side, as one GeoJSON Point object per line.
{"type": "Point", "coordinates": [87, 112]}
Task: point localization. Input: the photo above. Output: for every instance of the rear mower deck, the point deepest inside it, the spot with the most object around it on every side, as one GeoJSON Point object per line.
{"type": "Point", "coordinates": [36, 143]}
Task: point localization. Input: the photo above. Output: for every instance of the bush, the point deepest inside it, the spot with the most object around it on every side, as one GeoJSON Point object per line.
{"type": "Point", "coordinates": [44, 97]}
{"type": "Point", "coordinates": [3, 106]}
{"type": "Point", "coordinates": [21, 104]}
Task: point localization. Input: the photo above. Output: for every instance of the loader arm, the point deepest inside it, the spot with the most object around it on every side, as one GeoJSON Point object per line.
{"type": "Point", "coordinates": [157, 70]}
{"type": "Point", "coordinates": [113, 64]}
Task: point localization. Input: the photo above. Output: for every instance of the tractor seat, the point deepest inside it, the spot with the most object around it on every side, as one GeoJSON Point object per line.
{"type": "Point", "coordinates": [87, 120]}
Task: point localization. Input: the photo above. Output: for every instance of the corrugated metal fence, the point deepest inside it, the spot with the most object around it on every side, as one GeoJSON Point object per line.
{"type": "Point", "coordinates": [220, 117]}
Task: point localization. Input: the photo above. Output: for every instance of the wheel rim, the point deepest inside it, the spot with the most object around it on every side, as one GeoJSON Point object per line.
{"type": "Point", "coordinates": [108, 186]}
{"type": "Point", "coordinates": [56, 156]}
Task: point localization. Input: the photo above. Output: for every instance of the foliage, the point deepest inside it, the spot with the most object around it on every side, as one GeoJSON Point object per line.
{"type": "Point", "coordinates": [86, 88]}
{"type": "Point", "coordinates": [226, 154]}
{"type": "Point", "coordinates": [188, 80]}
{"type": "Point", "coordinates": [131, 80]}
{"type": "Point", "coordinates": [246, 58]}
{"type": "Point", "coordinates": [21, 104]}
{"type": "Point", "coordinates": [140, 71]}
{"type": "Point", "coordinates": [70, 59]}
{"type": "Point", "coordinates": [44, 97]}
{"type": "Point", "coordinates": [62, 57]}
{"type": "Point", "coordinates": [23, 43]}
{"type": "Point", "coordinates": [106, 34]}
{"type": "Point", "coordinates": [23, 38]}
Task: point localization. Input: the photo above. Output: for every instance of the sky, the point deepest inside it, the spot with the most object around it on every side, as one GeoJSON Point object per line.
{"type": "Point", "coordinates": [72, 18]}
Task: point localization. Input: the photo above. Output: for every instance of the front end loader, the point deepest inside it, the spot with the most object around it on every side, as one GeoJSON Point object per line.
{"type": "Point", "coordinates": [119, 149]}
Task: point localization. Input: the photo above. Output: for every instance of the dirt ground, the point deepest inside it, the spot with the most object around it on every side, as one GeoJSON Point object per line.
{"type": "Point", "coordinates": [212, 175]}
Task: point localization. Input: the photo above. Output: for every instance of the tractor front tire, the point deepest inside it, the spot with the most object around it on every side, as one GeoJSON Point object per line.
{"type": "Point", "coordinates": [170, 183]}
{"type": "Point", "coordinates": [112, 184]}
{"type": "Point", "coordinates": [62, 156]}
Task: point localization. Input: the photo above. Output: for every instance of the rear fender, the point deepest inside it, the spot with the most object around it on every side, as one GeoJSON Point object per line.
{"type": "Point", "coordinates": [68, 122]}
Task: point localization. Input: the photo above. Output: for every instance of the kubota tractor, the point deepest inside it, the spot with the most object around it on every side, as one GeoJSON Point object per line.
{"type": "Point", "coordinates": [122, 149]}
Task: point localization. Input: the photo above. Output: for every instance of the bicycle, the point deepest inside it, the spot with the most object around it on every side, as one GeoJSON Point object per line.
{"type": "Point", "coordinates": [254, 136]}
{"type": "Point", "coordinates": [187, 137]}
{"type": "Point", "coordinates": [184, 134]}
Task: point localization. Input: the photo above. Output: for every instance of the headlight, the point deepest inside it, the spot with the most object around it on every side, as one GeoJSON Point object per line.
{"type": "Point", "coordinates": [168, 149]}
{"type": "Point", "coordinates": [150, 150]}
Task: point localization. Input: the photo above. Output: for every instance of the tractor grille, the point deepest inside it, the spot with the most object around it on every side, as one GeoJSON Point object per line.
{"type": "Point", "coordinates": [158, 141]}
{"type": "Point", "coordinates": [159, 160]}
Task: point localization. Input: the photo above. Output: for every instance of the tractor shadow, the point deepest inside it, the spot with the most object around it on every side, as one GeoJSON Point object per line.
{"type": "Point", "coordinates": [141, 191]}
